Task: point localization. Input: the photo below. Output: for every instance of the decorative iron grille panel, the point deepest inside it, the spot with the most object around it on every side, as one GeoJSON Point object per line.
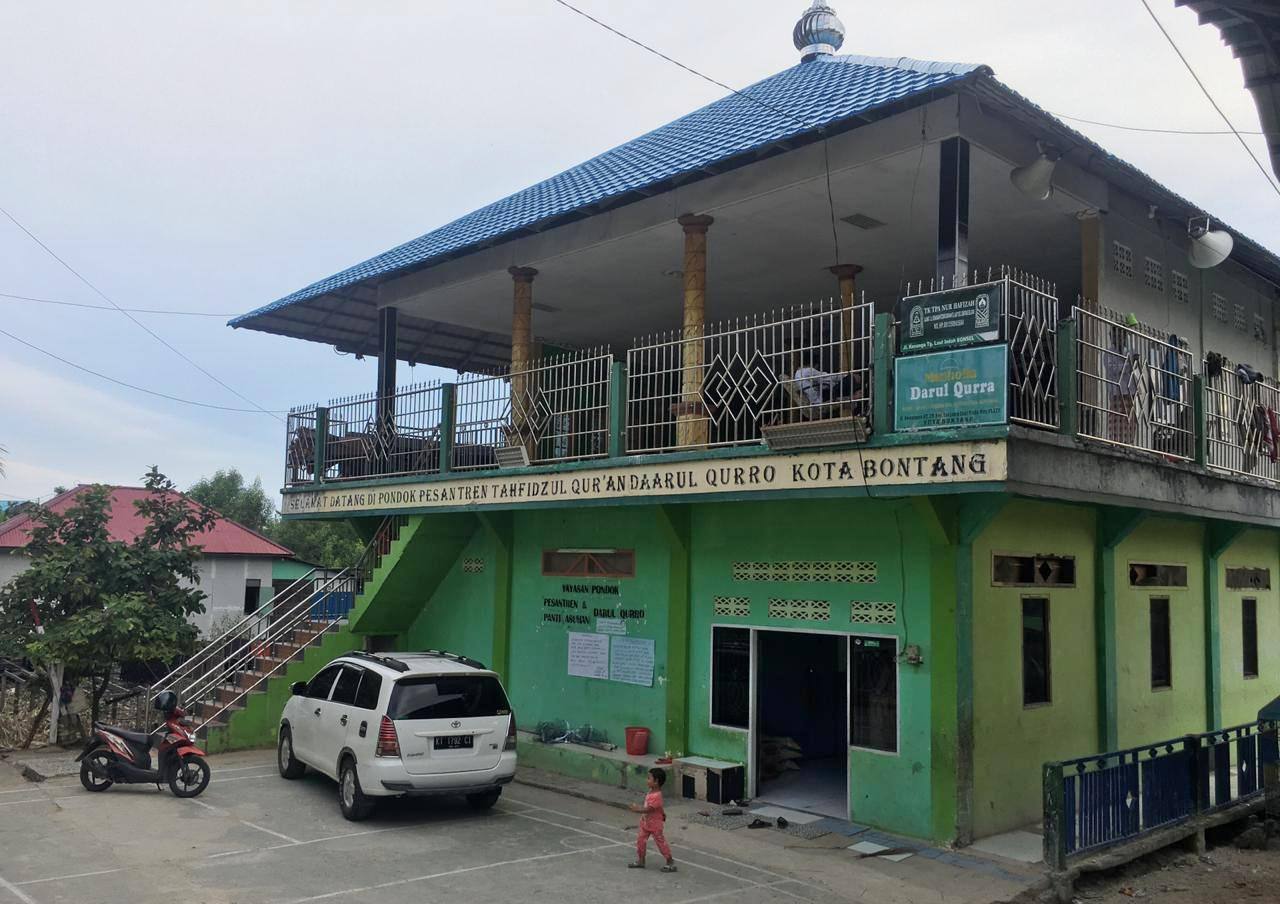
{"type": "Point", "coordinates": [1220, 308]}
{"type": "Point", "coordinates": [370, 436]}
{"type": "Point", "coordinates": [1134, 385]}
{"type": "Point", "coordinates": [806, 572]}
{"type": "Point", "coordinates": [801, 365]}
{"type": "Point", "coordinates": [1260, 328]}
{"type": "Point", "coordinates": [472, 565]}
{"type": "Point", "coordinates": [868, 613]}
{"type": "Point", "coordinates": [732, 606]}
{"type": "Point", "coordinates": [1031, 328]}
{"type": "Point", "coordinates": [800, 610]}
{"type": "Point", "coordinates": [1240, 320]}
{"type": "Point", "coordinates": [557, 409]}
{"type": "Point", "coordinates": [1237, 417]}
{"type": "Point", "coordinates": [300, 446]}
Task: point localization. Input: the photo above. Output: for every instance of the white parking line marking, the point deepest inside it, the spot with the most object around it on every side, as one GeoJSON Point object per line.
{"type": "Point", "coordinates": [700, 852]}
{"type": "Point", "coordinates": [280, 835]}
{"type": "Point", "coordinates": [97, 872]}
{"type": "Point", "coordinates": [16, 892]}
{"type": "Point", "coordinates": [454, 872]}
{"type": "Point", "coordinates": [244, 822]}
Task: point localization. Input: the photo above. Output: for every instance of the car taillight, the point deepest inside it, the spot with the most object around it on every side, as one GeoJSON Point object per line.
{"type": "Point", "coordinates": [388, 741]}
{"type": "Point", "coordinates": [511, 734]}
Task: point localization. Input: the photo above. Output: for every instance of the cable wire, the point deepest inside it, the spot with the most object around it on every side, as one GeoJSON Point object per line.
{"type": "Point", "coordinates": [1234, 131]}
{"type": "Point", "coordinates": [1116, 125]}
{"type": "Point", "coordinates": [821, 129]}
{"type": "Point", "coordinates": [76, 273]}
{"type": "Point", "coordinates": [100, 307]}
{"type": "Point", "coordinates": [152, 392]}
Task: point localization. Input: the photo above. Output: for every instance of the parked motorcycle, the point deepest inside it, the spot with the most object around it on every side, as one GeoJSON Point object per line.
{"type": "Point", "coordinates": [114, 755]}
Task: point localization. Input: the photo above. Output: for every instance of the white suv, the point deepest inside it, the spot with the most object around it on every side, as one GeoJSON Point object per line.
{"type": "Point", "coordinates": [393, 724]}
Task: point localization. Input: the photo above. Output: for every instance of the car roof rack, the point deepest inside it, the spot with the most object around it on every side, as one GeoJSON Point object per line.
{"type": "Point", "coordinates": [454, 657]}
{"type": "Point", "coordinates": [388, 661]}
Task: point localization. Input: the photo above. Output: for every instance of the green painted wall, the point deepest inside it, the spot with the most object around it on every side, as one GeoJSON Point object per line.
{"type": "Point", "coordinates": [1241, 697]}
{"type": "Point", "coordinates": [1011, 741]}
{"type": "Point", "coordinates": [458, 616]}
{"type": "Point", "coordinates": [1147, 715]}
{"type": "Point", "coordinates": [540, 686]}
{"type": "Point", "coordinates": [889, 790]}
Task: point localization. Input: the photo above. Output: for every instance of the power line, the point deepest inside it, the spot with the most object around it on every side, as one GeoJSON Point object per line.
{"type": "Point", "coordinates": [1185, 62]}
{"type": "Point", "coordinates": [152, 392]}
{"type": "Point", "coordinates": [99, 307]}
{"type": "Point", "coordinates": [76, 273]}
{"type": "Point", "coordinates": [821, 129]}
{"type": "Point", "coordinates": [1116, 125]}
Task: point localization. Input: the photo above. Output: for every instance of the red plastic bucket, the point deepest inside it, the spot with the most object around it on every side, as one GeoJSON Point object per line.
{"type": "Point", "coordinates": [637, 741]}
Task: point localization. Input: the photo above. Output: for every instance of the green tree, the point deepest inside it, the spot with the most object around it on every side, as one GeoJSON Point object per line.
{"type": "Point", "coordinates": [101, 601]}
{"type": "Point", "coordinates": [227, 493]}
{"type": "Point", "coordinates": [333, 544]}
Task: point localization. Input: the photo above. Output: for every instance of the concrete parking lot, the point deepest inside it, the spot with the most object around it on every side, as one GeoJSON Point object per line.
{"type": "Point", "coordinates": [253, 837]}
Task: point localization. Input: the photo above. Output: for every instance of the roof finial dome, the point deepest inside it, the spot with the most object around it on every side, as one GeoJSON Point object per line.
{"type": "Point", "coordinates": [819, 32]}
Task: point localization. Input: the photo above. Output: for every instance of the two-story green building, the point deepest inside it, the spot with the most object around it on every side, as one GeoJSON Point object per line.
{"type": "Point", "coordinates": [869, 427]}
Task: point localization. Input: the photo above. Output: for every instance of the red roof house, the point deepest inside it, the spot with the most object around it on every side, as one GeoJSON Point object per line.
{"type": "Point", "coordinates": [235, 562]}
{"type": "Point", "coordinates": [224, 538]}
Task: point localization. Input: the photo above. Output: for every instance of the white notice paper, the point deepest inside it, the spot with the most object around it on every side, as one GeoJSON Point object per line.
{"type": "Point", "coordinates": [589, 655]}
{"type": "Point", "coordinates": [631, 661]}
{"type": "Point", "coordinates": [611, 626]}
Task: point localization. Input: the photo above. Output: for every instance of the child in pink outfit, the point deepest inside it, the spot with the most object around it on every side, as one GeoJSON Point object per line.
{"type": "Point", "coordinates": [652, 819]}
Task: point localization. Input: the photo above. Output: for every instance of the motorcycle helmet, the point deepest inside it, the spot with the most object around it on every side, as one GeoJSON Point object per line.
{"type": "Point", "coordinates": [166, 701]}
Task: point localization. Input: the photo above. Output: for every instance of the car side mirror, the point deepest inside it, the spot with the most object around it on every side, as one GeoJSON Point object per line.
{"type": "Point", "coordinates": [299, 688]}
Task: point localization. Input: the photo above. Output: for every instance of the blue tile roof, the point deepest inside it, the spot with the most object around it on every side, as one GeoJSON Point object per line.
{"type": "Point", "coordinates": [799, 100]}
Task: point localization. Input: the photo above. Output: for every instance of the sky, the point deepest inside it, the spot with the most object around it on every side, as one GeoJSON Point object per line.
{"type": "Point", "coordinates": [213, 157]}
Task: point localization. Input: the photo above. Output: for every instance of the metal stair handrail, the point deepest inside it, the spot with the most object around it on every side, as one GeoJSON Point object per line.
{"type": "Point", "coordinates": [282, 626]}
{"type": "Point", "coordinates": [213, 645]}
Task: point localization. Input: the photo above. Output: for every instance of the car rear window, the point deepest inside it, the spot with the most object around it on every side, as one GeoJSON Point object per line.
{"type": "Point", "coordinates": [447, 697]}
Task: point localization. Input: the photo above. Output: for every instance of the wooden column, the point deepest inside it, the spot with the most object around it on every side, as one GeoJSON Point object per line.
{"type": "Point", "coordinates": [847, 274]}
{"type": "Point", "coordinates": [691, 419]}
{"type": "Point", "coordinates": [521, 355]}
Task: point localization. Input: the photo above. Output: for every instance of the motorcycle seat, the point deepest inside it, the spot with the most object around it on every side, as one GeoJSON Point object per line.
{"type": "Point", "coordinates": [137, 737]}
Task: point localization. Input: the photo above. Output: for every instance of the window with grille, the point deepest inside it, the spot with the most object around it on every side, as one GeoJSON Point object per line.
{"type": "Point", "coordinates": [873, 693]}
{"type": "Point", "coordinates": [1033, 571]}
{"type": "Point", "coordinates": [800, 610]}
{"type": "Point", "coordinates": [1161, 644]}
{"type": "Point", "coordinates": [1122, 259]}
{"type": "Point", "coordinates": [1035, 651]}
{"type": "Point", "coordinates": [1249, 636]}
{"type": "Point", "coordinates": [1152, 574]}
{"type": "Point", "coordinates": [868, 613]}
{"type": "Point", "coordinates": [820, 572]}
{"type": "Point", "coordinates": [731, 677]}
{"type": "Point", "coordinates": [589, 563]}
{"type": "Point", "coordinates": [1153, 274]}
{"type": "Point", "coordinates": [1243, 578]}
{"type": "Point", "coordinates": [1240, 320]}
{"type": "Point", "coordinates": [1260, 328]}
{"type": "Point", "coordinates": [1220, 308]}
{"type": "Point", "coordinates": [732, 606]}
{"type": "Point", "coordinates": [472, 565]}
{"type": "Point", "coordinates": [1181, 287]}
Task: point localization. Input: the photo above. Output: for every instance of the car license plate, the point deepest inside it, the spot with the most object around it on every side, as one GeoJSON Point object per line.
{"type": "Point", "coordinates": [454, 742]}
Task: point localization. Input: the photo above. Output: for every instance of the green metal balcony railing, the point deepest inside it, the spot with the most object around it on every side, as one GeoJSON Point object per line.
{"type": "Point", "coordinates": [820, 374]}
